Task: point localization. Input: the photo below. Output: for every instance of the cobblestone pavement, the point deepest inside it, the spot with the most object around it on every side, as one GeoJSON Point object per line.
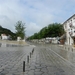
{"type": "Point", "coordinates": [43, 61]}
{"type": "Point", "coordinates": [46, 62]}
{"type": "Point", "coordinates": [11, 59]}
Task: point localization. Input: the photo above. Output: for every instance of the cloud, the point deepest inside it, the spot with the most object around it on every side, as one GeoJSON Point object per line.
{"type": "Point", "coordinates": [33, 28]}
{"type": "Point", "coordinates": [10, 13]}
{"type": "Point", "coordinates": [35, 13]}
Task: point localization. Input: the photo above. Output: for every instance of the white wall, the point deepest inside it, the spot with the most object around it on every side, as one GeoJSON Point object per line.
{"type": "Point", "coordinates": [4, 37]}
{"type": "Point", "coordinates": [68, 29]}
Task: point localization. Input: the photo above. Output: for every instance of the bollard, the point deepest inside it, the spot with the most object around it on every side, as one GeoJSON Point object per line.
{"type": "Point", "coordinates": [32, 50]}
{"type": "Point", "coordinates": [27, 59]}
{"type": "Point", "coordinates": [30, 54]}
{"type": "Point", "coordinates": [23, 66]}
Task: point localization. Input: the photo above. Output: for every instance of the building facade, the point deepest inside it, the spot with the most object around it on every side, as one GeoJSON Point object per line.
{"type": "Point", "coordinates": [69, 27]}
{"type": "Point", "coordinates": [4, 36]}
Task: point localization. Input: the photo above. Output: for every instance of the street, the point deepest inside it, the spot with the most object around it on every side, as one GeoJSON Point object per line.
{"type": "Point", "coordinates": [43, 61]}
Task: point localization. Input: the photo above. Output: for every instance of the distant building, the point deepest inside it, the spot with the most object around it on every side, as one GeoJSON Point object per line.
{"type": "Point", "coordinates": [53, 40]}
{"type": "Point", "coordinates": [4, 37]}
{"type": "Point", "coordinates": [69, 27]}
{"type": "Point", "coordinates": [18, 38]}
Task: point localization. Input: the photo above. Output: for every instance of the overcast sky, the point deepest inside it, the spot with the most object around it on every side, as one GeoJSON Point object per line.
{"type": "Point", "coordinates": [36, 14]}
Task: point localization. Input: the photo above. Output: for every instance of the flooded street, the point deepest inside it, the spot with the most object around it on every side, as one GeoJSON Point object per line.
{"type": "Point", "coordinates": [67, 52]}
{"type": "Point", "coordinates": [11, 59]}
{"type": "Point", "coordinates": [46, 59]}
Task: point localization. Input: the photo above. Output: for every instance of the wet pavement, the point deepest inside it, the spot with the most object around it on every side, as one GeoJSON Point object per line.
{"type": "Point", "coordinates": [48, 62]}
{"type": "Point", "coordinates": [43, 61]}
{"type": "Point", "coordinates": [11, 59]}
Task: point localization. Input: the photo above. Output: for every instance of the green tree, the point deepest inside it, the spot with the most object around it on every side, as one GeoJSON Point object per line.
{"type": "Point", "coordinates": [52, 30]}
{"type": "Point", "coordinates": [20, 29]}
{"type": "Point", "coordinates": [55, 29]}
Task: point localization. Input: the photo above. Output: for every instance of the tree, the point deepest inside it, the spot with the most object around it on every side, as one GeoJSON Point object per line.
{"type": "Point", "coordinates": [52, 30]}
{"type": "Point", "coordinates": [55, 29]}
{"type": "Point", "coordinates": [20, 29]}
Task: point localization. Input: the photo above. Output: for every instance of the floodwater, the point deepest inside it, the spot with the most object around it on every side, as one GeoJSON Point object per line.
{"type": "Point", "coordinates": [66, 52]}
{"type": "Point", "coordinates": [68, 55]}
{"type": "Point", "coordinates": [43, 60]}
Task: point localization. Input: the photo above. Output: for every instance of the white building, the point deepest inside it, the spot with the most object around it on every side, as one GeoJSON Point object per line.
{"type": "Point", "coordinates": [4, 36]}
{"type": "Point", "coordinates": [18, 38]}
{"type": "Point", "coordinates": [53, 40]}
{"type": "Point", "coordinates": [69, 27]}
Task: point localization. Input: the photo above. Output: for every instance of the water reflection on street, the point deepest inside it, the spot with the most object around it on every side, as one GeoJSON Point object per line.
{"type": "Point", "coordinates": [69, 56]}
{"type": "Point", "coordinates": [44, 61]}
{"type": "Point", "coordinates": [67, 53]}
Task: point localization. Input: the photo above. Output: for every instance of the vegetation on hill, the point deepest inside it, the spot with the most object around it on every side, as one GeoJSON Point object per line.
{"type": "Point", "coordinates": [52, 30]}
{"type": "Point", "coordinates": [20, 31]}
{"type": "Point", "coordinates": [7, 32]}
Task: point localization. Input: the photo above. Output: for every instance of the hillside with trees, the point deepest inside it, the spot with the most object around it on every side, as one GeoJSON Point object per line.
{"type": "Point", "coordinates": [7, 32]}
{"type": "Point", "coordinates": [52, 30]}
{"type": "Point", "coordinates": [20, 31]}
